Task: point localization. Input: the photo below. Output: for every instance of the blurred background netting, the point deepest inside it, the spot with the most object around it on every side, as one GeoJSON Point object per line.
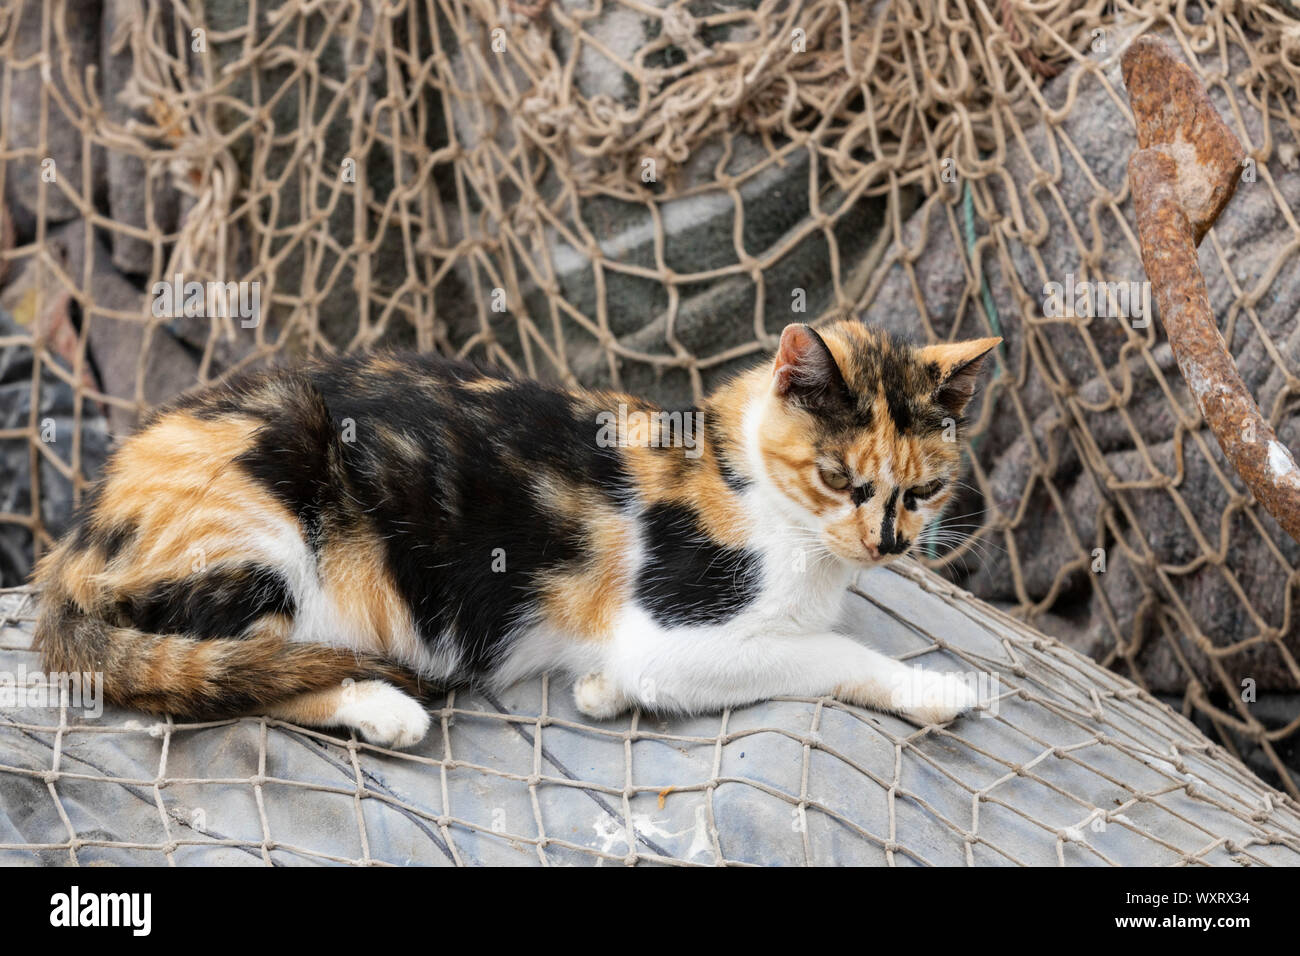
{"type": "Point", "coordinates": [640, 194]}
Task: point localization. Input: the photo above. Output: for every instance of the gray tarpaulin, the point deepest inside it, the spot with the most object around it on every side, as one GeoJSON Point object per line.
{"type": "Point", "coordinates": [1071, 764]}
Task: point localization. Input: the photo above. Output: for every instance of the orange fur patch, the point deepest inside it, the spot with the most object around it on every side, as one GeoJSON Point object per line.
{"type": "Point", "coordinates": [188, 507]}
{"type": "Point", "coordinates": [584, 602]}
{"type": "Point", "coordinates": [354, 572]}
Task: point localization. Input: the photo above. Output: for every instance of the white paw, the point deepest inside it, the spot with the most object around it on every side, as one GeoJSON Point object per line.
{"type": "Point", "coordinates": [931, 697]}
{"type": "Point", "coordinates": [383, 715]}
{"type": "Point", "coordinates": [596, 696]}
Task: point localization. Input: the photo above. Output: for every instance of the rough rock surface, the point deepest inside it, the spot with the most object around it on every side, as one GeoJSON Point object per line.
{"type": "Point", "coordinates": [55, 420]}
{"type": "Point", "coordinates": [28, 97]}
{"type": "Point", "coordinates": [140, 193]}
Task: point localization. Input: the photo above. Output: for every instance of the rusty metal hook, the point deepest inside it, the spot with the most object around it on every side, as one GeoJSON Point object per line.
{"type": "Point", "coordinates": [1183, 174]}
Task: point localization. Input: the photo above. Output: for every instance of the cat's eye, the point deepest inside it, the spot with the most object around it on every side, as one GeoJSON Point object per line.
{"type": "Point", "coordinates": [920, 493]}
{"type": "Point", "coordinates": [834, 479]}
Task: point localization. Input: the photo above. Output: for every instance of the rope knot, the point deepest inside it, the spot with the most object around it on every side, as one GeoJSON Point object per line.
{"type": "Point", "coordinates": [680, 26]}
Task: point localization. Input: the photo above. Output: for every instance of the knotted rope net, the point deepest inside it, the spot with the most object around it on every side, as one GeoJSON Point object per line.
{"type": "Point", "coordinates": [640, 194]}
{"type": "Point", "coordinates": [1067, 765]}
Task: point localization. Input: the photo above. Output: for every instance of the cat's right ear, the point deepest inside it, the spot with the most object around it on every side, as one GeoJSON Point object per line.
{"type": "Point", "coordinates": [805, 372]}
{"type": "Point", "coordinates": [957, 366]}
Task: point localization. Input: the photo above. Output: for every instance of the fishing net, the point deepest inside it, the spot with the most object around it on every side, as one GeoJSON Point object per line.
{"type": "Point", "coordinates": [1068, 765]}
{"type": "Point", "coordinates": [640, 194]}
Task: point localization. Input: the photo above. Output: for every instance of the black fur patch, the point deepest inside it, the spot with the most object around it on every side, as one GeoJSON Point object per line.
{"type": "Point", "coordinates": [897, 381]}
{"type": "Point", "coordinates": [291, 455]}
{"type": "Point", "coordinates": [907, 384]}
{"type": "Point", "coordinates": [687, 577]}
{"type": "Point", "coordinates": [889, 544]}
{"type": "Point", "coordinates": [115, 539]}
{"type": "Point", "coordinates": [862, 493]}
{"type": "Point", "coordinates": [215, 603]}
{"type": "Point", "coordinates": [90, 534]}
{"type": "Point", "coordinates": [84, 535]}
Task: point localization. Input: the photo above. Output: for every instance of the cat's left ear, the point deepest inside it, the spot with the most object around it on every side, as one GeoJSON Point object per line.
{"type": "Point", "coordinates": [959, 366]}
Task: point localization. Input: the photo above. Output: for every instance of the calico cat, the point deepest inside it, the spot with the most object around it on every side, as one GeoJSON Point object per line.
{"type": "Point", "coordinates": [326, 544]}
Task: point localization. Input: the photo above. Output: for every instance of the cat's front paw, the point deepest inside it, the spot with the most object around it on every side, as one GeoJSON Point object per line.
{"type": "Point", "coordinates": [383, 715]}
{"type": "Point", "coordinates": [931, 697]}
{"type": "Point", "coordinates": [596, 696]}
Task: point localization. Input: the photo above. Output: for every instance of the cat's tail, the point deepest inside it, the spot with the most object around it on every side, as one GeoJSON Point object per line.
{"type": "Point", "coordinates": [198, 678]}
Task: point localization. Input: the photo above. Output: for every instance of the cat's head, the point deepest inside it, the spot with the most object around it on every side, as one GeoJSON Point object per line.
{"type": "Point", "coordinates": [863, 435]}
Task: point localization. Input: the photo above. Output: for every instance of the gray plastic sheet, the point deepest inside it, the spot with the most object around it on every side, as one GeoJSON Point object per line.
{"type": "Point", "coordinates": [1069, 764]}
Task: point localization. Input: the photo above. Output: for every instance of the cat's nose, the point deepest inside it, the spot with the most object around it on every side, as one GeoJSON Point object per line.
{"type": "Point", "coordinates": [873, 552]}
